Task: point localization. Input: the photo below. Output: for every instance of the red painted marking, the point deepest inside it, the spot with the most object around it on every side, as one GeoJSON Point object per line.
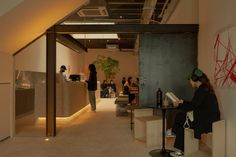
{"type": "Point", "coordinates": [224, 66]}
{"type": "Point", "coordinates": [233, 77]}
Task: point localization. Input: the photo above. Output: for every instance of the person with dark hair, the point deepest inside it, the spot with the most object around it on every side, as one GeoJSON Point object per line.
{"type": "Point", "coordinates": [123, 82]}
{"type": "Point", "coordinates": [127, 88]}
{"type": "Point", "coordinates": [205, 111]}
{"type": "Point", "coordinates": [92, 86]}
{"type": "Point", "coordinates": [136, 84]}
{"type": "Point", "coordinates": [104, 89]}
{"type": "Point", "coordinates": [113, 86]}
{"type": "Point", "coordinates": [61, 72]}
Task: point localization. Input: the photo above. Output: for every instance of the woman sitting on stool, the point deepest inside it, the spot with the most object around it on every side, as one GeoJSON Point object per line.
{"type": "Point", "coordinates": [127, 88]}
{"type": "Point", "coordinates": [205, 111]}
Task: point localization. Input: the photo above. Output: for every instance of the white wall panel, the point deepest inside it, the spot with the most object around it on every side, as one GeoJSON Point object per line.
{"type": "Point", "coordinates": [5, 101]}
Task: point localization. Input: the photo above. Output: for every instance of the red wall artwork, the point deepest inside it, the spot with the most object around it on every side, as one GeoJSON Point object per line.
{"type": "Point", "coordinates": [225, 58]}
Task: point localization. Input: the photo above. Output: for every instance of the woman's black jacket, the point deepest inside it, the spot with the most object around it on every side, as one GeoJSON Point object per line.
{"type": "Point", "coordinates": [206, 110]}
{"type": "Point", "coordinates": [92, 81]}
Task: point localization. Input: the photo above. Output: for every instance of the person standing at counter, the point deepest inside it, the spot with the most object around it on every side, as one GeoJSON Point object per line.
{"type": "Point", "coordinates": [62, 74]}
{"type": "Point", "coordinates": [92, 86]}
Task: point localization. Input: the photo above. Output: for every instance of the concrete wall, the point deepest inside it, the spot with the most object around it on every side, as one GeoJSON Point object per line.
{"type": "Point", "coordinates": [128, 64]}
{"type": "Point", "coordinates": [166, 60]}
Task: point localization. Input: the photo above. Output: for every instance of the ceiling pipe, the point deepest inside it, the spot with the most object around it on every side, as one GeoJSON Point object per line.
{"type": "Point", "coordinates": [163, 9]}
{"type": "Point", "coordinates": [148, 10]}
{"type": "Point", "coordinates": [169, 11]}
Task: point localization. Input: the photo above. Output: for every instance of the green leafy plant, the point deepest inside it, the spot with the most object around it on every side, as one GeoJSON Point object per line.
{"type": "Point", "coordinates": [109, 66]}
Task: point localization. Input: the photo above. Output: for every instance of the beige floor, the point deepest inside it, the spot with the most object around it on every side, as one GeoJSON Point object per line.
{"type": "Point", "coordinates": [99, 134]}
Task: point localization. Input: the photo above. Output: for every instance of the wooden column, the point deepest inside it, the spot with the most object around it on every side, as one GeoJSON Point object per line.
{"type": "Point", "coordinates": [51, 83]}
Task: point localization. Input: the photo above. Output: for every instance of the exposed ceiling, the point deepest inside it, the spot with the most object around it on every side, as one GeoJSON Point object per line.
{"type": "Point", "coordinates": [119, 12]}
{"type": "Point", "coordinates": [17, 33]}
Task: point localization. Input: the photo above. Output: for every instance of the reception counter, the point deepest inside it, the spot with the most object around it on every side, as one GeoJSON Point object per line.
{"type": "Point", "coordinates": [70, 98]}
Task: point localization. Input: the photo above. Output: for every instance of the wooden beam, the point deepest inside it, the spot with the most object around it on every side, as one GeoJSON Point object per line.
{"type": "Point", "coordinates": [70, 42]}
{"type": "Point", "coordinates": [51, 82]}
{"type": "Point", "coordinates": [127, 28]}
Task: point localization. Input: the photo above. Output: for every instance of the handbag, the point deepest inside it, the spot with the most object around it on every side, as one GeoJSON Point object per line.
{"type": "Point", "coordinates": [189, 117]}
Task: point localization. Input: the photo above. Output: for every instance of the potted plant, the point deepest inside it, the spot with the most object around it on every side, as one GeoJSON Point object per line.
{"type": "Point", "coordinates": [109, 66]}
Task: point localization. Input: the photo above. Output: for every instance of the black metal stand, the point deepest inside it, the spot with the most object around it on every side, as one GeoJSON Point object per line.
{"type": "Point", "coordinates": [131, 119]}
{"type": "Point", "coordinates": [162, 152]}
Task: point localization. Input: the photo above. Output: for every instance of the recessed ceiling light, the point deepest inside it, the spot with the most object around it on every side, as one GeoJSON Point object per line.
{"type": "Point", "coordinates": [46, 139]}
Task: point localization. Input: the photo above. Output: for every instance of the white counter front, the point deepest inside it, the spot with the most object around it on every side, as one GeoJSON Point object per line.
{"type": "Point", "coordinates": [70, 98]}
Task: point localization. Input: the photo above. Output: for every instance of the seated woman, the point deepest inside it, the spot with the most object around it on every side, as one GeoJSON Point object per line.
{"type": "Point", "coordinates": [104, 89]}
{"type": "Point", "coordinates": [205, 111]}
{"type": "Point", "coordinates": [123, 82]}
{"type": "Point", "coordinates": [127, 88]}
{"type": "Point", "coordinates": [112, 86]}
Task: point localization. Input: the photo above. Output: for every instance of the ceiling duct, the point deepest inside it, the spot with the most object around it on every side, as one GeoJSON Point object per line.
{"type": "Point", "coordinates": [96, 8]}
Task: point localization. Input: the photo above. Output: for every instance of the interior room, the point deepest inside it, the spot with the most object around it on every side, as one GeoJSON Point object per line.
{"type": "Point", "coordinates": [156, 42]}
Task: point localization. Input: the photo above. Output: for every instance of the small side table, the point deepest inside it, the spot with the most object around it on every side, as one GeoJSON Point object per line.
{"type": "Point", "coordinates": [163, 152]}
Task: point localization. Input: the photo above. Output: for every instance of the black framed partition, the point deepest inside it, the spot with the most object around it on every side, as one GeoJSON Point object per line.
{"type": "Point", "coordinates": [72, 29]}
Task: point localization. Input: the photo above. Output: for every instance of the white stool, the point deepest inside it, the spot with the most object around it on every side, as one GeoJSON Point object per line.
{"type": "Point", "coordinates": [147, 128]}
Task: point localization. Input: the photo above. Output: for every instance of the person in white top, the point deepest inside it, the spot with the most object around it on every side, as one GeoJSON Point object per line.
{"type": "Point", "coordinates": [62, 70]}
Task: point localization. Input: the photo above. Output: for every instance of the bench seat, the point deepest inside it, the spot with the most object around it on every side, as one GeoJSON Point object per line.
{"type": "Point", "coordinates": [211, 144]}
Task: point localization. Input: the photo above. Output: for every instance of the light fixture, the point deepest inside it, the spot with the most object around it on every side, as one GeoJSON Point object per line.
{"type": "Point", "coordinates": [46, 139]}
{"type": "Point", "coordinates": [95, 36]}
{"type": "Point", "coordinates": [88, 23]}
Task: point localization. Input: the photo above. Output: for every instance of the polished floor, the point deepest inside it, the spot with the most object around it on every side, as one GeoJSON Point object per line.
{"type": "Point", "coordinates": [99, 134]}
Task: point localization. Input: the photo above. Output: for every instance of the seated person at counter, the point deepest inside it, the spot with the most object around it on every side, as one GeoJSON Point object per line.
{"type": "Point", "coordinates": [127, 88]}
{"type": "Point", "coordinates": [205, 111]}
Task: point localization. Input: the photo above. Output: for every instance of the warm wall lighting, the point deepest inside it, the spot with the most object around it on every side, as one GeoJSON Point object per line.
{"type": "Point", "coordinates": [67, 119]}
